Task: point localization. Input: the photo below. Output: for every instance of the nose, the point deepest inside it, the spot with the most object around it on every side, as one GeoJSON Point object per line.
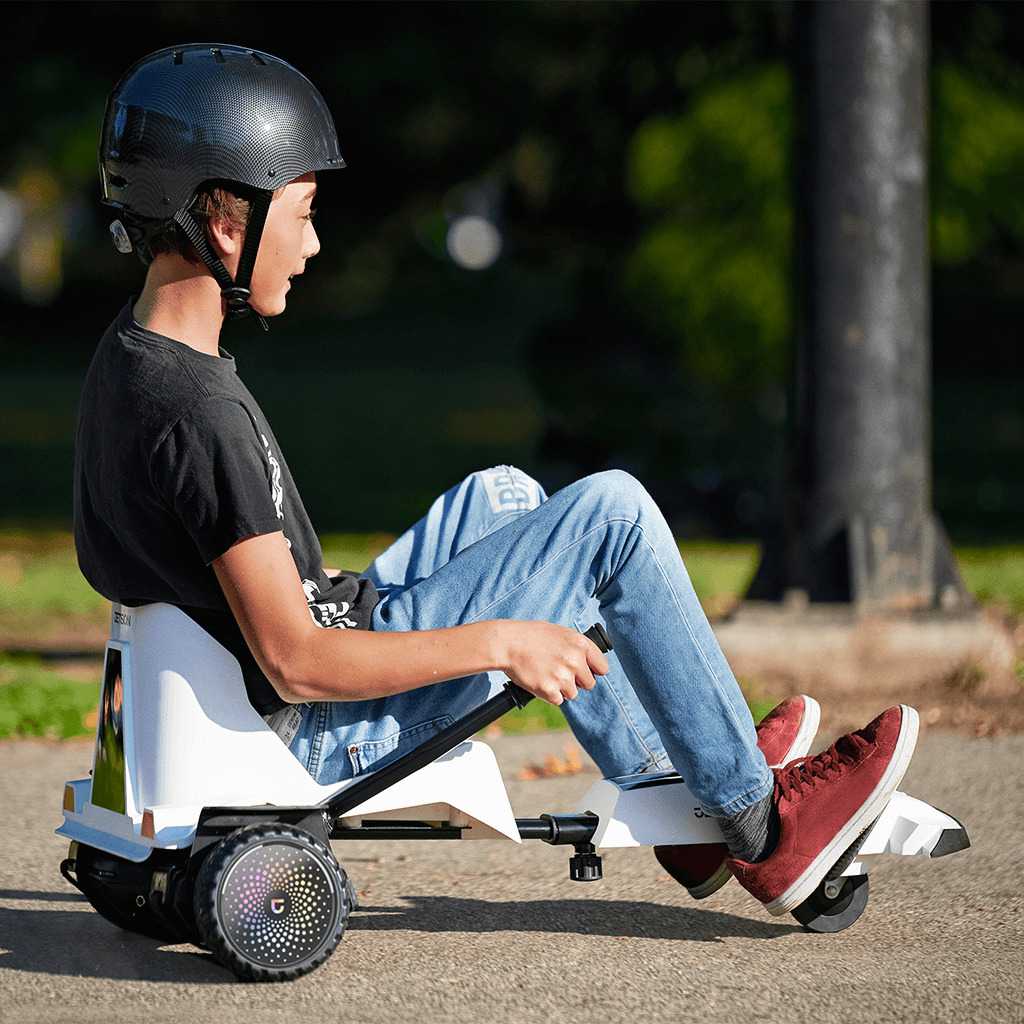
{"type": "Point", "coordinates": [312, 246]}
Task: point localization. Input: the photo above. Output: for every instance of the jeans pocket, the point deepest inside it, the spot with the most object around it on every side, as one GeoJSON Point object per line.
{"type": "Point", "coordinates": [369, 755]}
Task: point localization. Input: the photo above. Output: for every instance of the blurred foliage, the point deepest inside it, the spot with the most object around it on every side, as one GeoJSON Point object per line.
{"type": "Point", "coordinates": [526, 107]}
{"type": "Point", "coordinates": [635, 157]}
{"type": "Point", "coordinates": [994, 574]}
{"type": "Point", "coordinates": [42, 700]}
{"type": "Point", "coordinates": [39, 575]}
{"type": "Point", "coordinates": [354, 551]}
{"type": "Point", "coordinates": [712, 261]}
{"type": "Point", "coordinates": [645, 143]}
{"type": "Point", "coordinates": [978, 144]}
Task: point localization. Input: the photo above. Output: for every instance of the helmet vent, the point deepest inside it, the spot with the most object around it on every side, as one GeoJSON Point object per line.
{"type": "Point", "coordinates": [217, 55]}
{"type": "Point", "coordinates": [257, 59]}
{"type": "Point", "coordinates": [178, 57]}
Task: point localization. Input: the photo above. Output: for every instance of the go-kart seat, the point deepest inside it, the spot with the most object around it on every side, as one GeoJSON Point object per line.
{"type": "Point", "coordinates": [176, 733]}
{"type": "Point", "coordinates": [187, 730]}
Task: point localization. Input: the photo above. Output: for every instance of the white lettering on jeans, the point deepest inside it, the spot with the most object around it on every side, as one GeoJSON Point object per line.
{"type": "Point", "coordinates": [509, 490]}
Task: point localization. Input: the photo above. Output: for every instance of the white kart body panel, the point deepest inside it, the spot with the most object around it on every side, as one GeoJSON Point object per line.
{"type": "Point", "coordinates": [907, 826]}
{"type": "Point", "coordinates": [653, 809]}
{"type": "Point", "coordinates": [658, 810]}
{"type": "Point", "coordinates": [191, 739]}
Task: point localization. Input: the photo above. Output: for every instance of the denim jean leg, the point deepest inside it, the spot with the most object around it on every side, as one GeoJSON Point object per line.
{"type": "Point", "coordinates": [338, 740]}
{"type": "Point", "coordinates": [482, 503]}
{"type": "Point", "coordinates": [609, 722]}
{"type": "Point", "coordinates": [604, 537]}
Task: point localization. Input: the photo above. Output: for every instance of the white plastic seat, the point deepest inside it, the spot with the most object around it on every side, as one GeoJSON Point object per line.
{"type": "Point", "coordinates": [177, 733]}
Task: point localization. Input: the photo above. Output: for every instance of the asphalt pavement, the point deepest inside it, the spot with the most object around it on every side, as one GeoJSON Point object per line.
{"type": "Point", "coordinates": [494, 931]}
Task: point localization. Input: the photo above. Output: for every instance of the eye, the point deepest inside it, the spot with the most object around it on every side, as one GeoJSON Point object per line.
{"type": "Point", "coordinates": [310, 215]}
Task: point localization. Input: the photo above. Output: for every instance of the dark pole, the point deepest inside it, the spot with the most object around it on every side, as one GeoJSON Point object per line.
{"type": "Point", "coordinates": [858, 523]}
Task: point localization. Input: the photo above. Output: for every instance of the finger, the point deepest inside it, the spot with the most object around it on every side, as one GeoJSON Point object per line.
{"type": "Point", "coordinates": [596, 661]}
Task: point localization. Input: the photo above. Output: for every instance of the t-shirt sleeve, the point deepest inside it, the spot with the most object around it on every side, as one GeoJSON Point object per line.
{"type": "Point", "coordinates": [215, 471]}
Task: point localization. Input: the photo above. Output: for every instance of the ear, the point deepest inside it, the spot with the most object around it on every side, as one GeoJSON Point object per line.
{"type": "Point", "coordinates": [227, 238]}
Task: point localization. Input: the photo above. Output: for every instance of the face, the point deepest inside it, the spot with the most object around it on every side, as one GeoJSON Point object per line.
{"type": "Point", "coordinates": [288, 240]}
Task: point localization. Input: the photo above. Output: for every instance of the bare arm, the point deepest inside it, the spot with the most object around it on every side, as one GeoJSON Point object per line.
{"type": "Point", "coordinates": [305, 662]}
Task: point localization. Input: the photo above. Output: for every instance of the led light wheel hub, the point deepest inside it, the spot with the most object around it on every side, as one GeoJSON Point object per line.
{"type": "Point", "coordinates": [272, 902]}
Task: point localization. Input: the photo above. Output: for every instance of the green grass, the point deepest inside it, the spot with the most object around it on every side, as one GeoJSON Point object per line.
{"type": "Point", "coordinates": [353, 551]}
{"type": "Point", "coordinates": [42, 590]}
{"type": "Point", "coordinates": [39, 575]}
{"type": "Point", "coordinates": [36, 700]}
{"type": "Point", "coordinates": [537, 716]}
{"type": "Point", "coordinates": [994, 573]}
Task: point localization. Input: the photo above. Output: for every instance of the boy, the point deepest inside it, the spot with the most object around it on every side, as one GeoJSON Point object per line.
{"type": "Point", "coordinates": [211, 154]}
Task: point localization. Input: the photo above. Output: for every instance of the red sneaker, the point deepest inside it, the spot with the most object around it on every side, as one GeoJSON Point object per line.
{"type": "Point", "coordinates": [783, 734]}
{"type": "Point", "coordinates": [825, 803]}
{"type": "Point", "coordinates": [789, 730]}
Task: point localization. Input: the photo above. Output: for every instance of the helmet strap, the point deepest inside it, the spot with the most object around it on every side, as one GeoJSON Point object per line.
{"type": "Point", "coordinates": [259, 205]}
{"type": "Point", "coordinates": [235, 292]}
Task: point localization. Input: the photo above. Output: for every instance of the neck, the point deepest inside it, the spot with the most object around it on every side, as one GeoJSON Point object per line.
{"type": "Point", "coordinates": [182, 301]}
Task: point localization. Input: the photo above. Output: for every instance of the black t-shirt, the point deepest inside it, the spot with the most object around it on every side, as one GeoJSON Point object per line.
{"type": "Point", "coordinates": [175, 463]}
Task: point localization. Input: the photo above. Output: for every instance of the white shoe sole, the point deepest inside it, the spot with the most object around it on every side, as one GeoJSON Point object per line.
{"type": "Point", "coordinates": [712, 885]}
{"type": "Point", "coordinates": [870, 809]}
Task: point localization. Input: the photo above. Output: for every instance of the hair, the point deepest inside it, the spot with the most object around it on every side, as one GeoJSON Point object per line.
{"type": "Point", "coordinates": [211, 201]}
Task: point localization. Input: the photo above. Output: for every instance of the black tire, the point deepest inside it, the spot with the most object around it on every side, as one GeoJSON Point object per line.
{"type": "Point", "coordinates": [821, 913]}
{"type": "Point", "coordinates": [118, 890]}
{"type": "Point", "coordinates": [272, 902]}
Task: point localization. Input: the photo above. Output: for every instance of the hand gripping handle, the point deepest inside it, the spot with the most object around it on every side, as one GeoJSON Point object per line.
{"type": "Point", "coordinates": [600, 637]}
{"type": "Point", "coordinates": [510, 697]}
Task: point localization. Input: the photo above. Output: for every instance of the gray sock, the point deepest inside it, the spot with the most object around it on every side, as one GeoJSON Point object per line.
{"type": "Point", "coordinates": [752, 834]}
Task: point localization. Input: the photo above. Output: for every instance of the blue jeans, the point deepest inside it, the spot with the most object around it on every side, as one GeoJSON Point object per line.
{"type": "Point", "coordinates": [494, 547]}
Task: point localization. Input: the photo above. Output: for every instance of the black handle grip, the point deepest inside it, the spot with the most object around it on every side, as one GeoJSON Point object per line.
{"type": "Point", "coordinates": [600, 636]}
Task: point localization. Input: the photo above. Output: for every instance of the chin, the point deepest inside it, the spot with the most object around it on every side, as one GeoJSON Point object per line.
{"type": "Point", "coordinates": [268, 309]}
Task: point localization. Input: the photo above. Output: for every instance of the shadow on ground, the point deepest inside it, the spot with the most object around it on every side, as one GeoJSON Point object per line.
{"type": "Point", "coordinates": [78, 942]}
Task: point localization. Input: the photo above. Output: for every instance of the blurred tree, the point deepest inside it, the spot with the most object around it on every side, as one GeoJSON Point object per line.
{"type": "Point", "coordinates": [537, 100]}
{"type": "Point", "coordinates": [638, 151]}
{"type": "Point", "coordinates": [710, 270]}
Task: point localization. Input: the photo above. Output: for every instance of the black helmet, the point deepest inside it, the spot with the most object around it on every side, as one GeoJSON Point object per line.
{"type": "Point", "coordinates": [191, 114]}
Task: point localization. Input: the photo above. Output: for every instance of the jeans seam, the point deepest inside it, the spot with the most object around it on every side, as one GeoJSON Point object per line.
{"type": "Point", "coordinates": [316, 747]}
{"type": "Point", "coordinates": [633, 524]}
{"type": "Point", "coordinates": [552, 557]}
{"type": "Point", "coordinates": [696, 645]}
{"type": "Point", "coordinates": [394, 741]}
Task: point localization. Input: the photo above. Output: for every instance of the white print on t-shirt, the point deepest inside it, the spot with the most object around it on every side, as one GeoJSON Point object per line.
{"type": "Point", "coordinates": [509, 490]}
{"type": "Point", "coordinates": [329, 614]}
{"type": "Point", "coordinates": [276, 490]}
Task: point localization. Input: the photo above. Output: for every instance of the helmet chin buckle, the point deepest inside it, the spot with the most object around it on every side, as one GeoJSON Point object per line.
{"type": "Point", "coordinates": [237, 299]}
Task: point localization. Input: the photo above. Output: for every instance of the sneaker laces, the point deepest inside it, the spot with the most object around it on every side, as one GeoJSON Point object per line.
{"type": "Point", "coordinates": [798, 775]}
